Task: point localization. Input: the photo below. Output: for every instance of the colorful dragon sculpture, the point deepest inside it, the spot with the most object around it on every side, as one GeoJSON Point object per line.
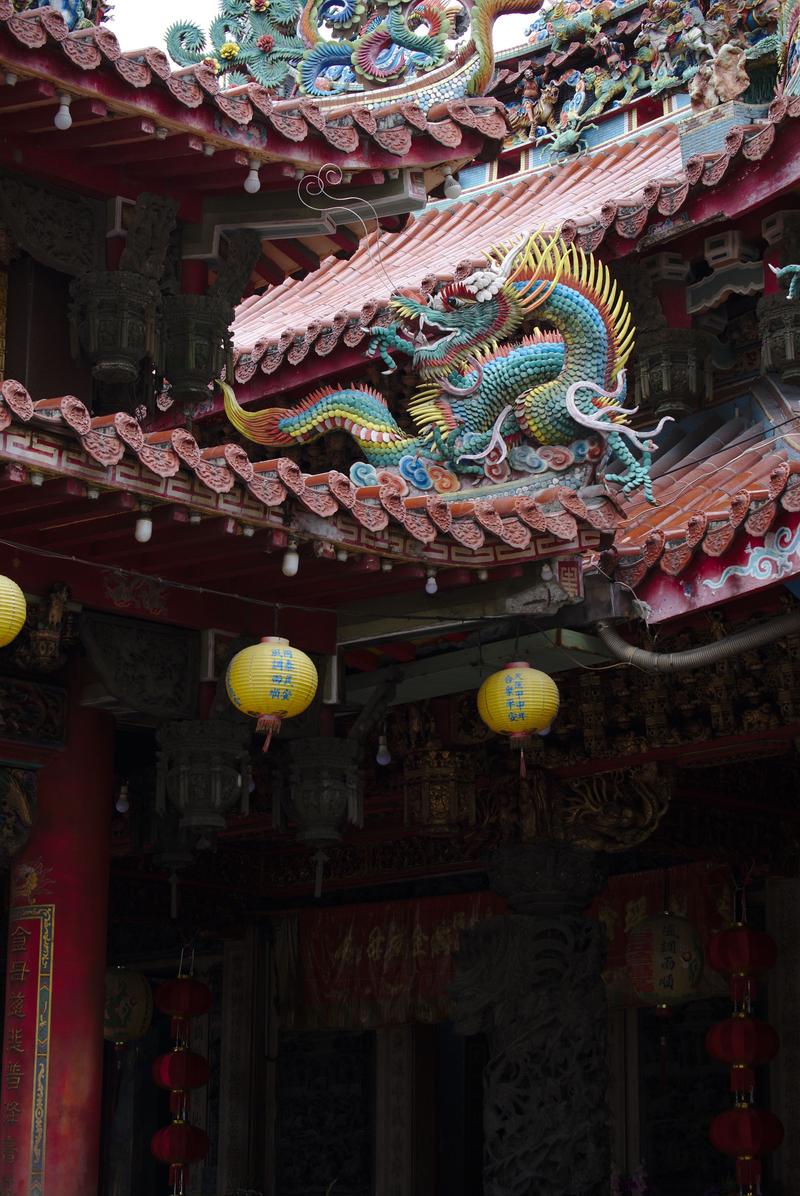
{"type": "Point", "coordinates": [488, 409]}
{"type": "Point", "coordinates": [77, 14]}
{"type": "Point", "coordinates": [366, 44]}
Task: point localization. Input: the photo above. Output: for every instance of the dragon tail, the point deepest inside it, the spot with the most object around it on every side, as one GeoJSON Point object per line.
{"type": "Point", "coordinates": [358, 410]}
{"type": "Point", "coordinates": [484, 15]}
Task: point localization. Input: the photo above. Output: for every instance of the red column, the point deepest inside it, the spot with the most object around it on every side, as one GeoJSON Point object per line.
{"type": "Point", "coordinates": [50, 1100]}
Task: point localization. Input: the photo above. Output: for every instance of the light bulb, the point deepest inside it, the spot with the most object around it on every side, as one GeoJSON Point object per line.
{"type": "Point", "coordinates": [144, 526]}
{"type": "Point", "coordinates": [11, 79]}
{"type": "Point", "coordinates": [452, 187]}
{"type": "Point", "coordinates": [291, 560]}
{"type": "Point", "coordinates": [431, 585]}
{"type": "Point", "coordinates": [386, 566]}
{"type": "Point", "coordinates": [483, 575]}
{"type": "Point", "coordinates": [341, 554]}
{"type": "Point", "coordinates": [209, 150]}
{"type": "Point", "coordinates": [63, 118]}
{"type": "Point", "coordinates": [123, 802]}
{"type": "Point", "coordinates": [252, 184]}
{"type": "Point", "coordinates": [383, 756]}
{"type": "Point", "coordinates": [37, 479]}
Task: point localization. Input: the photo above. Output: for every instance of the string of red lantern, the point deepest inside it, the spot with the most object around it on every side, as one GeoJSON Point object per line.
{"type": "Point", "coordinates": [742, 1041]}
{"type": "Point", "coordinates": [179, 1071]}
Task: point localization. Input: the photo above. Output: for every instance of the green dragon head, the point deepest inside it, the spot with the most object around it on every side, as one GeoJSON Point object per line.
{"type": "Point", "coordinates": [446, 329]}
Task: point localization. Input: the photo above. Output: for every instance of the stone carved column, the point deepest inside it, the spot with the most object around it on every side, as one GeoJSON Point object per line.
{"type": "Point", "coordinates": [531, 982]}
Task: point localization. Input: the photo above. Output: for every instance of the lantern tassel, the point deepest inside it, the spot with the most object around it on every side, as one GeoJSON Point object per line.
{"type": "Point", "coordinates": [268, 725]}
{"type": "Point", "coordinates": [523, 772]}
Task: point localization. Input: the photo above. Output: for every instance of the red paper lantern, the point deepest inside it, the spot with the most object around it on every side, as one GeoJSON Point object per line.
{"type": "Point", "coordinates": [180, 1070]}
{"type": "Point", "coordinates": [183, 997]}
{"type": "Point", "coordinates": [178, 1145]}
{"type": "Point", "coordinates": [745, 1132]}
{"type": "Point", "coordinates": [740, 950]}
{"type": "Point", "coordinates": [745, 1043]}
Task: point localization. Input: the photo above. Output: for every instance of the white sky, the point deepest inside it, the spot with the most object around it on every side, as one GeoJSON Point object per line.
{"type": "Point", "coordinates": [139, 23]}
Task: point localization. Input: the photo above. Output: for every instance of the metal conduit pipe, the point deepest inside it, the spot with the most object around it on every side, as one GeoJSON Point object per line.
{"type": "Point", "coordinates": [696, 658]}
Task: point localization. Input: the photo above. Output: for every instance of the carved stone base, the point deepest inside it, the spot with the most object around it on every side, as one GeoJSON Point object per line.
{"type": "Point", "coordinates": [531, 982]}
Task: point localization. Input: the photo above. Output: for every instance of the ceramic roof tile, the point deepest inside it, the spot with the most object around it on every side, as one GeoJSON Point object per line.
{"type": "Point", "coordinates": [613, 189]}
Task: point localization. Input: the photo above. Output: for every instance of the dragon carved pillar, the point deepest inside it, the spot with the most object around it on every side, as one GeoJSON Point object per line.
{"type": "Point", "coordinates": [531, 982]}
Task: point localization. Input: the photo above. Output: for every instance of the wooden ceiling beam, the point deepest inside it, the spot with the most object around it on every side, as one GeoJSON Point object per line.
{"type": "Point", "coordinates": [22, 499]}
{"type": "Point", "coordinates": [154, 148]}
{"type": "Point", "coordinates": [99, 134]}
{"type": "Point", "coordinates": [26, 94]}
{"type": "Point", "coordinates": [40, 120]}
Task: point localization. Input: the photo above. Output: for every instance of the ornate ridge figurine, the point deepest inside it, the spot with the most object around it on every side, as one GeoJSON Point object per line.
{"type": "Point", "coordinates": [280, 45]}
{"type": "Point", "coordinates": [491, 410]}
{"type": "Point", "coordinates": [77, 14]}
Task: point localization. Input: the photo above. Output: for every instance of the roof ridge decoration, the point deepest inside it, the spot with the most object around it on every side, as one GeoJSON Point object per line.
{"type": "Point", "coordinates": [77, 14]}
{"type": "Point", "coordinates": [518, 416]}
{"type": "Point", "coordinates": [368, 45]}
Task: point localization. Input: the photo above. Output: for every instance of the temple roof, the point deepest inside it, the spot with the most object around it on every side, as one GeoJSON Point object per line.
{"type": "Point", "coordinates": [45, 59]}
{"type": "Point", "coordinates": [619, 189]}
{"type": "Point", "coordinates": [717, 481]}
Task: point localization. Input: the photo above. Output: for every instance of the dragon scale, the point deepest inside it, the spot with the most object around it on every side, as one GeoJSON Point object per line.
{"type": "Point", "coordinates": [481, 384]}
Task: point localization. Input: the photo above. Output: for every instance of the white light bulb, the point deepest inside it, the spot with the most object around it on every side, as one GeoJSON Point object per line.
{"type": "Point", "coordinates": [37, 479]}
{"type": "Point", "coordinates": [383, 755]}
{"type": "Point", "coordinates": [63, 118]}
{"type": "Point", "coordinates": [252, 184]}
{"type": "Point", "coordinates": [341, 554]}
{"type": "Point", "coordinates": [431, 585]}
{"type": "Point", "coordinates": [122, 803]}
{"type": "Point", "coordinates": [387, 566]}
{"type": "Point", "coordinates": [11, 79]}
{"type": "Point", "coordinates": [452, 188]}
{"type": "Point", "coordinates": [483, 575]}
{"type": "Point", "coordinates": [291, 560]}
{"type": "Point", "coordinates": [144, 529]}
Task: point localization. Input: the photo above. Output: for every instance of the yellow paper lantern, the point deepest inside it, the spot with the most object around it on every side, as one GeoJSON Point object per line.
{"type": "Point", "coordinates": [518, 700]}
{"type": "Point", "coordinates": [664, 960]}
{"type": "Point", "coordinates": [271, 681]}
{"type": "Point", "coordinates": [13, 610]}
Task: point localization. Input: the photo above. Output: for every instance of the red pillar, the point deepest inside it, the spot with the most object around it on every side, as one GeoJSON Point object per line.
{"type": "Point", "coordinates": [50, 1106]}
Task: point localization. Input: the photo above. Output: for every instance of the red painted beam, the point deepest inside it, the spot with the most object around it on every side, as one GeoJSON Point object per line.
{"type": "Point", "coordinates": [298, 252]}
{"type": "Point", "coordinates": [40, 118]}
{"type": "Point", "coordinates": [20, 500]}
{"type": "Point", "coordinates": [25, 94]}
{"type": "Point", "coordinates": [153, 149]}
{"type": "Point", "coordinates": [114, 590]}
{"type": "Point", "coordinates": [102, 133]}
{"type": "Point", "coordinates": [218, 163]}
{"type": "Point", "coordinates": [269, 270]}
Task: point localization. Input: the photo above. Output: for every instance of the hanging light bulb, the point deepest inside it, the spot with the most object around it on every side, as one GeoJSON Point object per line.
{"type": "Point", "coordinates": [483, 575]}
{"type": "Point", "coordinates": [63, 118]}
{"type": "Point", "coordinates": [383, 756]}
{"type": "Point", "coordinates": [452, 187]}
{"type": "Point", "coordinates": [386, 566]}
{"type": "Point", "coordinates": [123, 803]}
{"type": "Point", "coordinates": [341, 554]}
{"type": "Point", "coordinates": [144, 525]}
{"type": "Point", "coordinates": [291, 560]}
{"type": "Point", "coordinates": [252, 184]}
{"type": "Point", "coordinates": [431, 585]}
